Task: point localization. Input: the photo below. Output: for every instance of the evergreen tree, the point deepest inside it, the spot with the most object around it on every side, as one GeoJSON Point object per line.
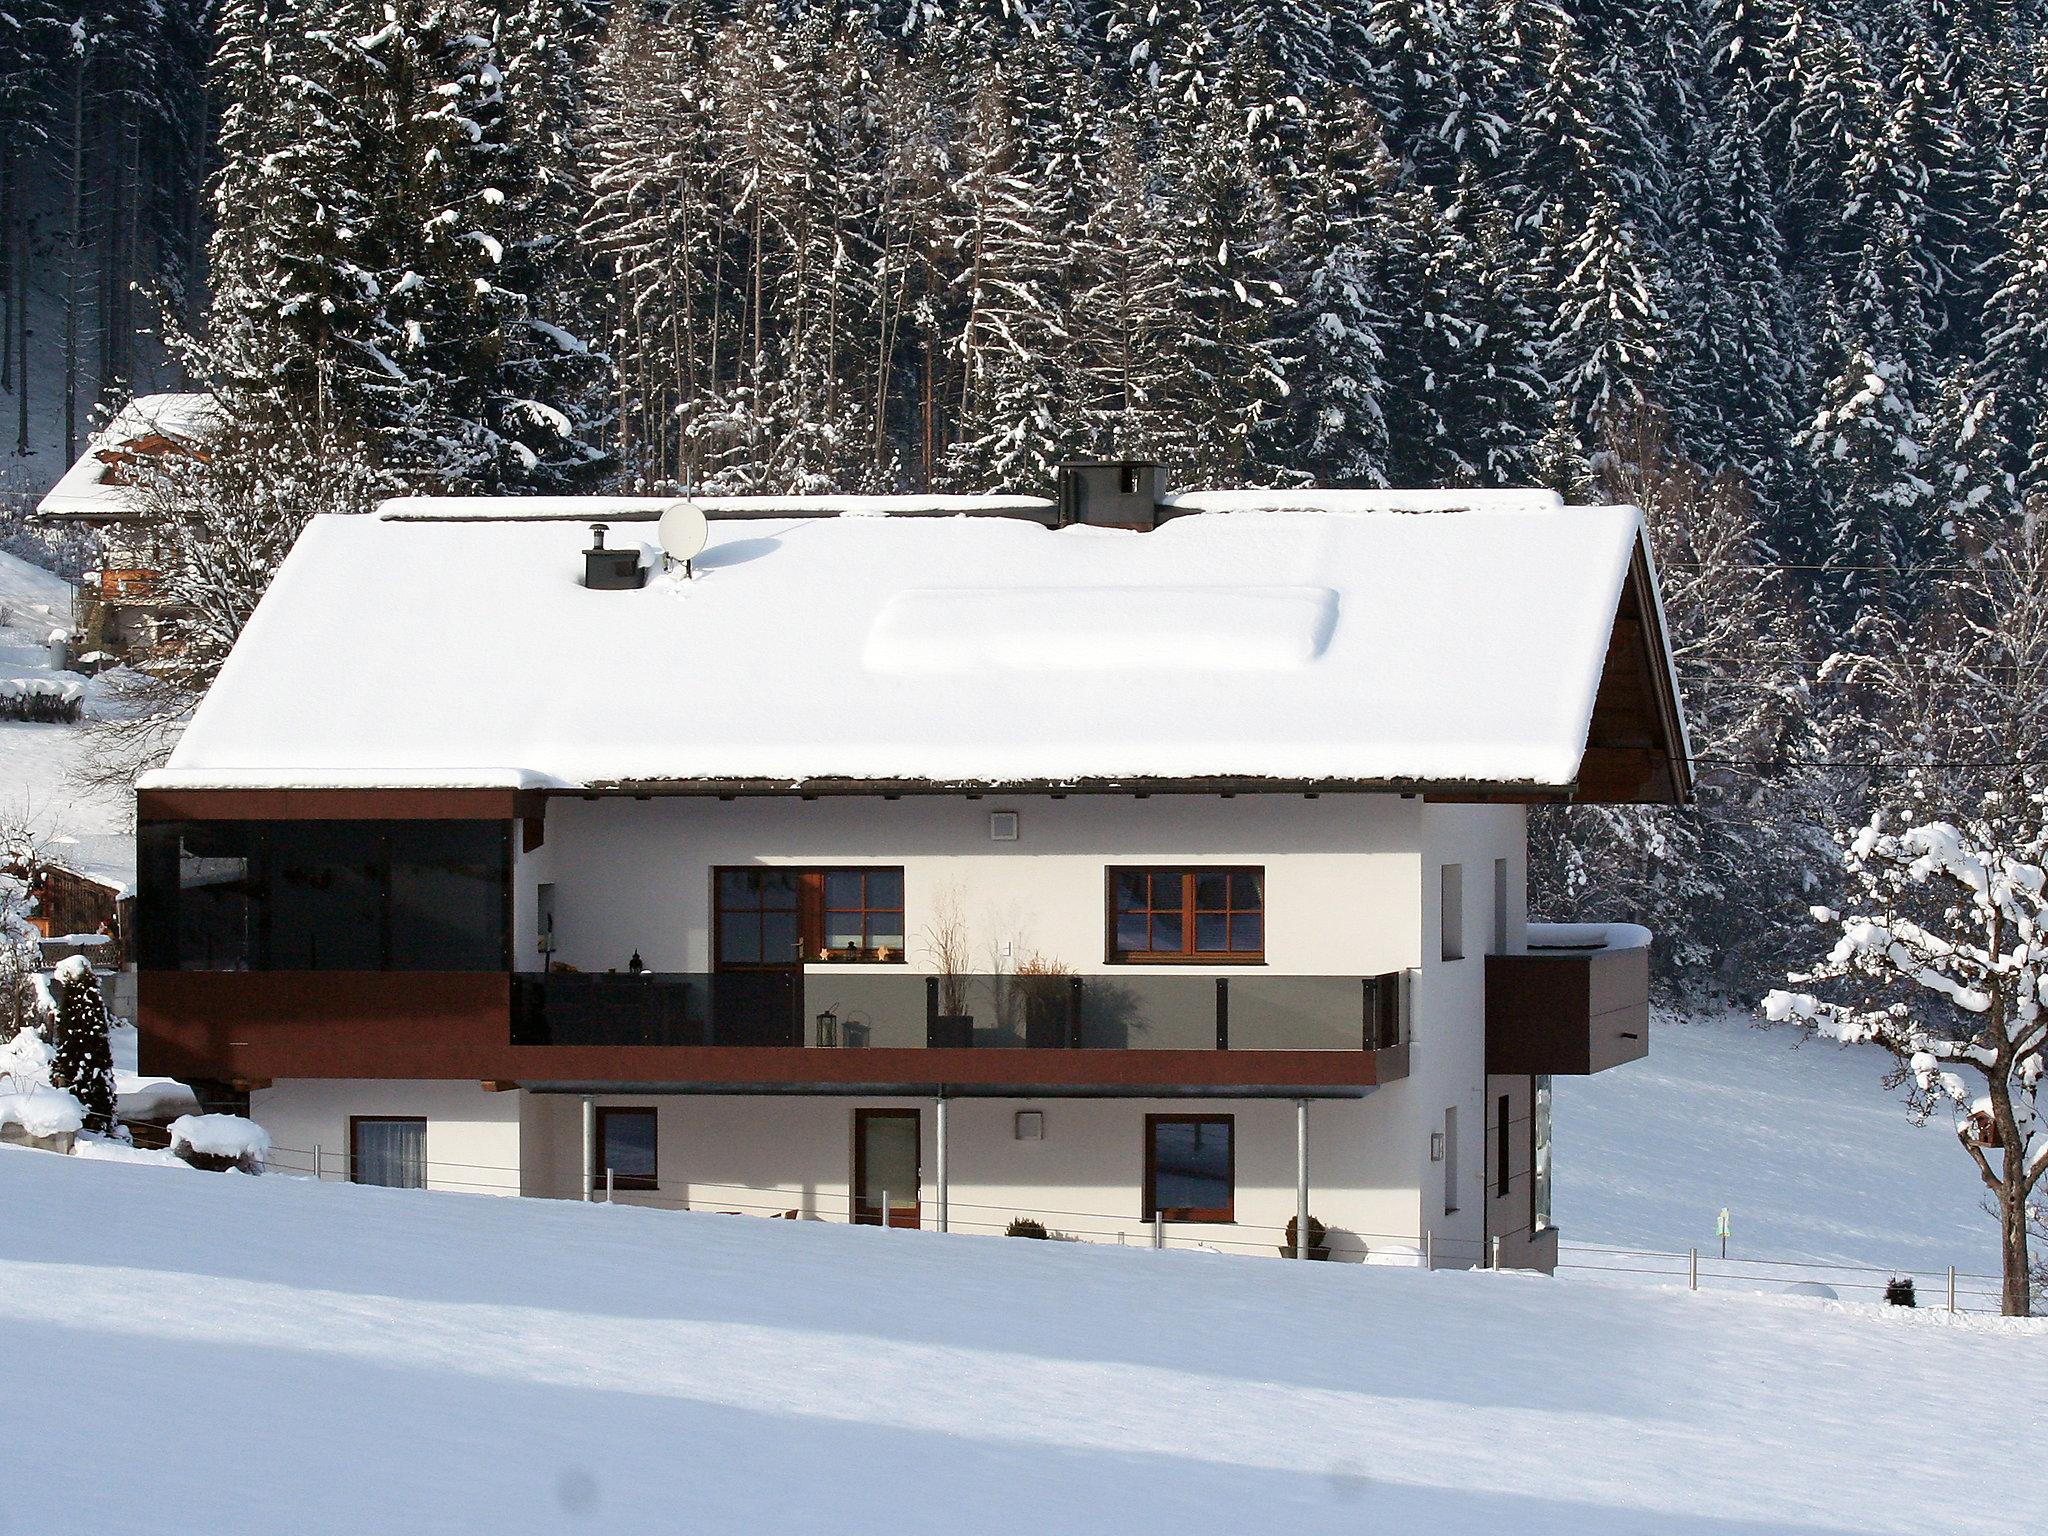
{"type": "Point", "coordinates": [83, 1061]}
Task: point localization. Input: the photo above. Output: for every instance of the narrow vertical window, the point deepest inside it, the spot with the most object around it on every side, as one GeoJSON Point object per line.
{"type": "Point", "coordinates": [1451, 915]}
{"type": "Point", "coordinates": [1539, 1153]}
{"type": "Point", "coordinates": [1450, 1162]}
{"type": "Point", "coordinates": [1502, 1175]}
{"type": "Point", "coordinates": [1500, 906]}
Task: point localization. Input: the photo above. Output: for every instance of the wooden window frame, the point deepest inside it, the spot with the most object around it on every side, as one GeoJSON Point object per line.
{"type": "Point", "coordinates": [810, 916]}
{"type": "Point", "coordinates": [1190, 875]}
{"type": "Point", "coordinates": [1214, 1216]}
{"type": "Point", "coordinates": [598, 1165]}
{"type": "Point", "coordinates": [426, 1178]}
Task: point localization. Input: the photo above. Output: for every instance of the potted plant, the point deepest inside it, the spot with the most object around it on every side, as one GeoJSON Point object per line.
{"type": "Point", "coordinates": [949, 1025]}
{"type": "Point", "coordinates": [1317, 1232]}
{"type": "Point", "coordinates": [1046, 988]}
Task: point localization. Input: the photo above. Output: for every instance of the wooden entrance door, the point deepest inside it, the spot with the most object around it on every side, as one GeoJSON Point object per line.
{"type": "Point", "coordinates": [887, 1161]}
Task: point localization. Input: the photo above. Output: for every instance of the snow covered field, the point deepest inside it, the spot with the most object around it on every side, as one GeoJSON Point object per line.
{"type": "Point", "coordinates": [1813, 1157]}
{"type": "Point", "coordinates": [84, 829]}
{"type": "Point", "coordinates": [265, 1355]}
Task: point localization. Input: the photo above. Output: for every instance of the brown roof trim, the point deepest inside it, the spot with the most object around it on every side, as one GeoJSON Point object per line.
{"type": "Point", "coordinates": [1435, 789]}
{"type": "Point", "coordinates": [334, 804]}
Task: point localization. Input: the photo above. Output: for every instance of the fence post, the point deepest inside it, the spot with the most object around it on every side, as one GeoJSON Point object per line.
{"type": "Point", "coordinates": [1158, 1230]}
{"type": "Point", "coordinates": [1951, 1287]}
{"type": "Point", "coordinates": [1693, 1272]}
{"type": "Point", "coordinates": [317, 1175]}
{"type": "Point", "coordinates": [1429, 1248]}
{"type": "Point", "coordinates": [885, 1210]}
{"type": "Point", "coordinates": [1494, 1257]}
{"type": "Point", "coordinates": [608, 1184]}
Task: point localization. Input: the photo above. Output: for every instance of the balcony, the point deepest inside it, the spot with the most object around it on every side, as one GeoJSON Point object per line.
{"type": "Point", "coordinates": [852, 1029]}
{"type": "Point", "coordinates": [1577, 1003]}
{"type": "Point", "coordinates": [130, 585]}
{"type": "Point", "coordinates": [894, 1010]}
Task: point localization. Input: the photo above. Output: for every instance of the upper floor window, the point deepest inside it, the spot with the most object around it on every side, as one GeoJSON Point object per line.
{"type": "Point", "coordinates": [325, 895]}
{"type": "Point", "coordinates": [1212, 915]}
{"type": "Point", "coordinates": [782, 916]}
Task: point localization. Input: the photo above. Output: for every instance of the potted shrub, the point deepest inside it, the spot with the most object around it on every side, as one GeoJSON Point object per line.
{"type": "Point", "coordinates": [1047, 990]}
{"type": "Point", "coordinates": [1317, 1248]}
{"type": "Point", "coordinates": [950, 1026]}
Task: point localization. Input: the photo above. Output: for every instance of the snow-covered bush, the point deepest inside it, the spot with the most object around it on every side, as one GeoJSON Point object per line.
{"type": "Point", "coordinates": [220, 1142]}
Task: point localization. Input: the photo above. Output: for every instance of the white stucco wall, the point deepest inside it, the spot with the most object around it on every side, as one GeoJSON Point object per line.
{"type": "Point", "coordinates": [1352, 889]}
{"type": "Point", "coordinates": [762, 1155]}
{"type": "Point", "coordinates": [473, 1134]}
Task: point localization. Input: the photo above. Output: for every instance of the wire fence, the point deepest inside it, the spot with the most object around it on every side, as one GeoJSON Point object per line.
{"type": "Point", "coordinates": [1952, 1289]}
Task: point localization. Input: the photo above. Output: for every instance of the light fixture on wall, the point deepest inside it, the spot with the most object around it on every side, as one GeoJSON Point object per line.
{"type": "Point", "coordinates": [1436, 1146]}
{"type": "Point", "coordinates": [1031, 1125]}
{"type": "Point", "coordinates": [1002, 826]}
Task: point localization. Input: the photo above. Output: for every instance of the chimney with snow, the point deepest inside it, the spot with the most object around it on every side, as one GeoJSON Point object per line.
{"type": "Point", "coordinates": [610, 570]}
{"type": "Point", "coordinates": [1111, 493]}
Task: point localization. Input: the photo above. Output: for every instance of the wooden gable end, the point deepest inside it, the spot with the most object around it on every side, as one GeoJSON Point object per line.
{"type": "Point", "coordinates": [1635, 748]}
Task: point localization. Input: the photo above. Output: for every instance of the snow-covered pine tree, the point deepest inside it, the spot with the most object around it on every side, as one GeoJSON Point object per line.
{"type": "Point", "coordinates": [1123, 318]}
{"type": "Point", "coordinates": [1002, 228]}
{"type": "Point", "coordinates": [83, 1060]}
{"type": "Point", "coordinates": [1735, 376]}
{"type": "Point", "coordinates": [1866, 452]}
{"type": "Point", "coordinates": [1610, 332]}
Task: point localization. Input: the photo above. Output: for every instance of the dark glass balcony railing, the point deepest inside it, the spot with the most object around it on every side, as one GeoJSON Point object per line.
{"type": "Point", "coordinates": [881, 1009]}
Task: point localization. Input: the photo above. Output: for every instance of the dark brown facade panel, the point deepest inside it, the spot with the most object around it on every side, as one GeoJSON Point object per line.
{"type": "Point", "coordinates": [1567, 1013]}
{"type": "Point", "coordinates": [334, 804]}
{"type": "Point", "coordinates": [243, 1025]}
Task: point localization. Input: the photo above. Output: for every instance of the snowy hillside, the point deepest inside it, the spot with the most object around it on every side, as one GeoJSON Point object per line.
{"type": "Point", "coordinates": [247, 1351]}
{"type": "Point", "coordinates": [84, 829]}
{"type": "Point", "coordinates": [1813, 1157]}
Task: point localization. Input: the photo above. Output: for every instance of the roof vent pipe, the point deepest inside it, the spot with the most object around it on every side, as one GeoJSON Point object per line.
{"type": "Point", "coordinates": [610, 570]}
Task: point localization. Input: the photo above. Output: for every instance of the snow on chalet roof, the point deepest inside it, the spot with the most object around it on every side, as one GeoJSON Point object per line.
{"type": "Point", "coordinates": [87, 489]}
{"type": "Point", "coordinates": [1300, 642]}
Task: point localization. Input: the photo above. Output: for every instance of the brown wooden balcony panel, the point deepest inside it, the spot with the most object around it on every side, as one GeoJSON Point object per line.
{"type": "Point", "coordinates": [1568, 1013]}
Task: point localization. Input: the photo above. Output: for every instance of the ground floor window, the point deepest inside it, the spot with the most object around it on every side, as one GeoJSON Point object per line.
{"type": "Point", "coordinates": [625, 1149]}
{"type": "Point", "coordinates": [1190, 1167]}
{"type": "Point", "coordinates": [1539, 1128]}
{"type": "Point", "coordinates": [388, 1150]}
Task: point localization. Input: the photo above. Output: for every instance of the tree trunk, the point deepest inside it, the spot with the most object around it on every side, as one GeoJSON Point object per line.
{"type": "Point", "coordinates": [2017, 1298]}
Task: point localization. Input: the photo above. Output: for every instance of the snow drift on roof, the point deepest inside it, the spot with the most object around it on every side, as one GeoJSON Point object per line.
{"type": "Point", "coordinates": [1452, 649]}
{"type": "Point", "coordinates": [646, 509]}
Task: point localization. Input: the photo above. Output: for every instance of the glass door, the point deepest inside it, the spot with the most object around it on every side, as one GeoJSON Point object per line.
{"type": "Point", "coordinates": [885, 1166]}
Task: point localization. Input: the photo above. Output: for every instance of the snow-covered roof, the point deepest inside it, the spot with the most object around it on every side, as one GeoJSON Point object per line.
{"type": "Point", "coordinates": [1334, 646]}
{"type": "Point", "coordinates": [647, 509]}
{"type": "Point", "coordinates": [85, 490]}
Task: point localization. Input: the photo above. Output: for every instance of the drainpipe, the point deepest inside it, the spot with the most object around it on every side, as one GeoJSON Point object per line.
{"type": "Point", "coordinates": [589, 1148]}
{"type": "Point", "coordinates": [1301, 1178]}
{"type": "Point", "coordinates": [939, 1131]}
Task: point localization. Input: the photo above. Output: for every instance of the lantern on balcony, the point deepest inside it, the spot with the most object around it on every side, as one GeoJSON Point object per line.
{"type": "Point", "coordinates": [828, 1028]}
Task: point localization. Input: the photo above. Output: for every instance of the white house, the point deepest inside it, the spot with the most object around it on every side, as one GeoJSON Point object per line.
{"type": "Point", "coordinates": [1143, 864]}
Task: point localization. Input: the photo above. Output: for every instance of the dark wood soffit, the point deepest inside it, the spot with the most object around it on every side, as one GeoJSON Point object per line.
{"type": "Point", "coordinates": [335, 804]}
{"type": "Point", "coordinates": [1635, 744]}
{"type": "Point", "coordinates": [729, 789]}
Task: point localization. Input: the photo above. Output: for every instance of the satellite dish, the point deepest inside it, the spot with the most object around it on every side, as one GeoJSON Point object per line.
{"type": "Point", "coordinates": [684, 531]}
